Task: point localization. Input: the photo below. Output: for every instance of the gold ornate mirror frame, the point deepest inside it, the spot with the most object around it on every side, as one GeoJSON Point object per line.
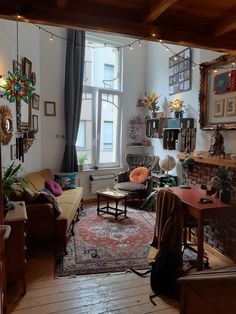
{"type": "Point", "coordinates": [6, 125]}
{"type": "Point", "coordinates": [213, 100]}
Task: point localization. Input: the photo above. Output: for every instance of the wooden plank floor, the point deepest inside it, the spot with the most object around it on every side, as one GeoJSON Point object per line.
{"type": "Point", "coordinates": [105, 293]}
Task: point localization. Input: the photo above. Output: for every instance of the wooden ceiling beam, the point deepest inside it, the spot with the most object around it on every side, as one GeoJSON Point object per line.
{"type": "Point", "coordinates": [61, 4]}
{"type": "Point", "coordinates": [156, 9]}
{"type": "Point", "coordinates": [227, 25]}
{"type": "Point", "coordinates": [109, 24]}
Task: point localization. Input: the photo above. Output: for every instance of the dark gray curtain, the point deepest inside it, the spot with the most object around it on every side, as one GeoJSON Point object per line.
{"type": "Point", "coordinates": [73, 95]}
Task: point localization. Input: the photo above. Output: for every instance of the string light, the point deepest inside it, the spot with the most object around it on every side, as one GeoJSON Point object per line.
{"type": "Point", "coordinates": [118, 48]}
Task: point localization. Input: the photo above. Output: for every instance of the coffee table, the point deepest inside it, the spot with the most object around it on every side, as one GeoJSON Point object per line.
{"type": "Point", "coordinates": [114, 196]}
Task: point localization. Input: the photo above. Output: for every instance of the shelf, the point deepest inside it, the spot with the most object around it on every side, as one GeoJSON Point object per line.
{"type": "Point", "coordinates": [210, 161]}
{"type": "Point", "coordinates": [129, 145]}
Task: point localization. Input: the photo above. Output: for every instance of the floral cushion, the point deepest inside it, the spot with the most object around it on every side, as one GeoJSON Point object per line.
{"type": "Point", "coordinates": [66, 180]}
{"type": "Point", "coordinates": [139, 175]}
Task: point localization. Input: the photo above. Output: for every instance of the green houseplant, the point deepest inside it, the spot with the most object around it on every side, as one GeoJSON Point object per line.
{"type": "Point", "coordinates": [81, 159]}
{"type": "Point", "coordinates": [225, 181]}
{"type": "Point", "coordinates": [11, 181]}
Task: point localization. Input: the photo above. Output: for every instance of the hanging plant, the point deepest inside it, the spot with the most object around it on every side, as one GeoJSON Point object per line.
{"type": "Point", "coordinates": [17, 87]}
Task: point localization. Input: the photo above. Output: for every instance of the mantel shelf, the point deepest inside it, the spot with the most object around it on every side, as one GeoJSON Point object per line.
{"type": "Point", "coordinates": [210, 161]}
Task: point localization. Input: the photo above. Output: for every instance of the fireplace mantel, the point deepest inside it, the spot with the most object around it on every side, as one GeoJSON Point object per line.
{"type": "Point", "coordinates": [209, 160]}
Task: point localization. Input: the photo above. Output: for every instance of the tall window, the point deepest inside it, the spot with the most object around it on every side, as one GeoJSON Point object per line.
{"type": "Point", "coordinates": [99, 131]}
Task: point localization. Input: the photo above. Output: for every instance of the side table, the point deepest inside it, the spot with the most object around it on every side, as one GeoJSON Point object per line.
{"type": "Point", "coordinates": [15, 245]}
{"type": "Point", "coordinates": [115, 196]}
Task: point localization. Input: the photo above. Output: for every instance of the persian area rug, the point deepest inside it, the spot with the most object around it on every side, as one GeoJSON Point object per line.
{"type": "Point", "coordinates": [102, 244]}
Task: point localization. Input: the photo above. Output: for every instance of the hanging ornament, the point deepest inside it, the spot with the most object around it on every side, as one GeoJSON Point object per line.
{"type": "Point", "coordinates": [17, 87]}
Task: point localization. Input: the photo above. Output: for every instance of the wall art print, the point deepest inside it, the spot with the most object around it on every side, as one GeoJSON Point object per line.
{"type": "Point", "coordinates": [180, 72]}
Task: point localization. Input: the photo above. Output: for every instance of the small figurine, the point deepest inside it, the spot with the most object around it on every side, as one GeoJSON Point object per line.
{"type": "Point", "coordinates": [217, 148]}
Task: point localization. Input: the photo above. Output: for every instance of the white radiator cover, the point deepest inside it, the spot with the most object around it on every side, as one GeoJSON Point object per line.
{"type": "Point", "coordinates": [99, 182]}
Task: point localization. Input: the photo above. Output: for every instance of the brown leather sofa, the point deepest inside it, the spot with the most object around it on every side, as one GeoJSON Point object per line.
{"type": "Point", "coordinates": [42, 221]}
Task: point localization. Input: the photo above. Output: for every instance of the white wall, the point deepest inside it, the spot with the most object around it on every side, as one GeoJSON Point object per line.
{"type": "Point", "coordinates": [29, 48]}
{"type": "Point", "coordinates": [52, 64]}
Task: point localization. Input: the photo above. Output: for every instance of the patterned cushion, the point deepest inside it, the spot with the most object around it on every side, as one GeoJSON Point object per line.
{"type": "Point", "coordinates": [139, 175]}
{"type": "Point", "coordinates": [54, 187]}
{"type": "Point", "coordinates": [66, 180]}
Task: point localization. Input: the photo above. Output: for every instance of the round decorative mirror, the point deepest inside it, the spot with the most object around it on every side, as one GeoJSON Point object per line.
{"type": "Point", "coordinates": [6, 125]}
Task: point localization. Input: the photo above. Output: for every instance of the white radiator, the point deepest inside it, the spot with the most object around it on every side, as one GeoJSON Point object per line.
{"type": "Point", "coordinates": [98, 182]}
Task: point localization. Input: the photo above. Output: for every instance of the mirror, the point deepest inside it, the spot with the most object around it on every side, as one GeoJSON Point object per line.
{"type": "Point", "coordinates": [23, 111]}
{"type": "Point", "coordinates": [217, 94]}
{"type": "Point", "coordinates": [6, 125]}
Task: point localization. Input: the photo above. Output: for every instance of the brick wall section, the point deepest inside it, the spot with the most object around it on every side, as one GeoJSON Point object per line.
{"type": "Point", "coordinates": [219, 234]}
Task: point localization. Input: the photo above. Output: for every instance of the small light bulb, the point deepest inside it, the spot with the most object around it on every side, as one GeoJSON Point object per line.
{"type": "Point", "coordinates": [130, 47]}
{"type": "Point", "coordinates": [51, 38]}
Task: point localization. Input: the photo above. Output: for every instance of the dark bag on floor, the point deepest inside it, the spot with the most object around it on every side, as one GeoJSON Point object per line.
{"type": "Point", "coordinates": [164, 274]}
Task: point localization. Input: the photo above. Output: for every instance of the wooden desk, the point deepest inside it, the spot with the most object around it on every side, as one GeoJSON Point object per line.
{"type": "Point", "coordinates": [190, 198]}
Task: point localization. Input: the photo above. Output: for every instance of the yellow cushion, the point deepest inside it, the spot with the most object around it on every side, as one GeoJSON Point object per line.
{"type": "Point", "coordinates": [139, 175]}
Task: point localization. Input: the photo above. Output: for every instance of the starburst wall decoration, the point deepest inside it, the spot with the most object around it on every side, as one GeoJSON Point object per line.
{"type": "Point", "coordinates": [17, 87]}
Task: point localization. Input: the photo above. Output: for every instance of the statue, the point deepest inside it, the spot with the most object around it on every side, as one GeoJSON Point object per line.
{"type": "Point", "coordinates": [217, 148]}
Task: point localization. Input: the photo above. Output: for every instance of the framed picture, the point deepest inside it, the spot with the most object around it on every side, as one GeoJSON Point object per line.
{"type": "Point", "coordinates": [35, 101]}
{"type": "Point", "coordinates": [180, 72]}
{"type": "Point", "coordinates": [16, 67]}
{"type": "Point", "coordinates": [219, 108]}
{"type": "Point", "coordinates": [217, 81]}
{"type": "Point", "coordinates": [50, 108]}
{"type": "Point", "coordinates": [13, 151]}
{"type": "Point", "coordinates": [230, 106]}
{"type": "Point", "coordinates": [27, 67]}
{"type": "Point", "coordinates": [35, 123]}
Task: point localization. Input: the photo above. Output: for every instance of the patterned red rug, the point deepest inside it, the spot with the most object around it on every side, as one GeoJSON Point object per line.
{"type": "Point", "coordinates": [102, 244]}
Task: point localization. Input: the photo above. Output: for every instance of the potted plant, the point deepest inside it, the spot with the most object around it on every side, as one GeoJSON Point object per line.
{"type": "Point", "coordinates": [176, 106]}
{"type": "Point", "coordinates": [150, 102]}
{"type": "Point", "coordinates": [11, 181]}
{"type": "Point", "coordinates": [225, 182]}
{"type": "Point", "coordinates": [81, 160]}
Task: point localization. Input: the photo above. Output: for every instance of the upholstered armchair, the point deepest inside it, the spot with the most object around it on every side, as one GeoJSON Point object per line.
{"type": "Point", "coordinates": [137, 180]}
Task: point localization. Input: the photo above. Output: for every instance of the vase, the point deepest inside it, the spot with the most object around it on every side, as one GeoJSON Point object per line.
{"type": "Point", "coordinates": [154, 114]}
{"type": "Point", "coordinates": [178, 114]}
{"type": "Point", "coordinates": [225, 195]}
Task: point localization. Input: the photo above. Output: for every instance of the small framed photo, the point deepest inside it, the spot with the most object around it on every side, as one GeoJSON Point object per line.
{"type": "Point", "coordinates": [13, 151]}
{"type": "Point", "coordinates": [35, 101]}
{"type": "Point", "coordinates": [50, 108]}
{"type": "Point", "coordinates": [219, 108]}
{"type": "Point", "coordinates": [230, 106]}
{"type": "Point", "coordinates": [27, 67]}
{"type": "Point", "coordinates": [35, 123]}
{"type": "Point", "coordinates": [17, 67]}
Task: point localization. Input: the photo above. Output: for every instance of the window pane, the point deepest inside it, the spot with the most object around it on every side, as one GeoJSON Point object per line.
{"type": "Point", "coordinates": [101, 63]}
{"type": "Point", "coordinates": [109, 76]}
{"type": "Point", "coordinates": [84, 142]}
{"type": "Point", "coordinates": [108, 134]}
{"type": "Point", "coordinates": [80, 143]}
{"type": "Point", "coordinates": [109, 123]}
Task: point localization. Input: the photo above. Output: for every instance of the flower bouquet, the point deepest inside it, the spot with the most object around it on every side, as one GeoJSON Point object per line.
{"type": "Point", "coordinates": [176, 106]}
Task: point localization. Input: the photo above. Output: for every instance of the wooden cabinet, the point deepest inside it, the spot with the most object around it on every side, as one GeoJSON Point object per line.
{"type": "Point", "coordinates": [177, 133]}
{"type": "Point", "coordinates": [15, 245]}
{"type": "Point", "coordinates": [209, 292]}
{"type": "Point", "coordinates": [3, 302]}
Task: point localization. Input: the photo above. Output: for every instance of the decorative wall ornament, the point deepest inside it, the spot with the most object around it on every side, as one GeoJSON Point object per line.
{"type": "Point", "coordinates": [6, 125]}
{"type": "Point", "coordinates": [17, 87]}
